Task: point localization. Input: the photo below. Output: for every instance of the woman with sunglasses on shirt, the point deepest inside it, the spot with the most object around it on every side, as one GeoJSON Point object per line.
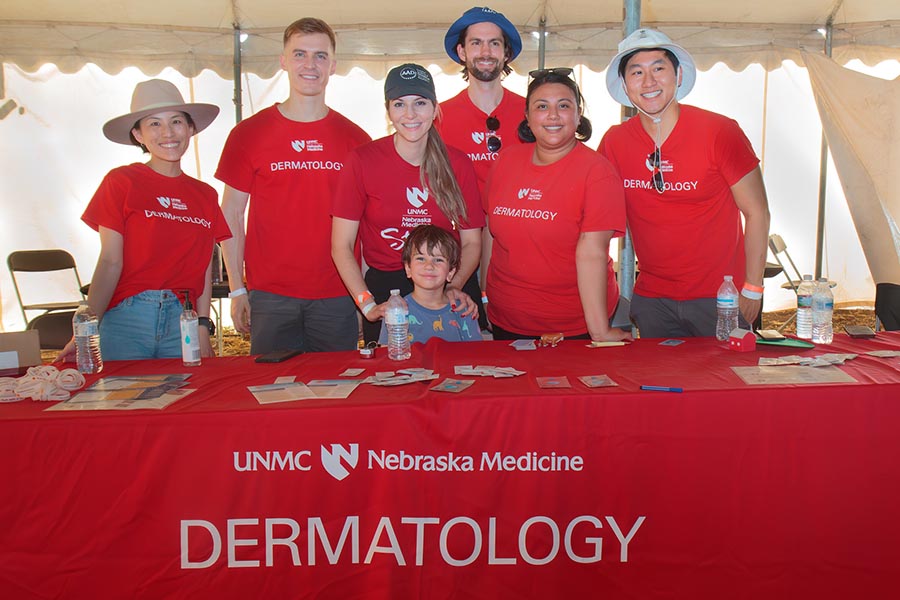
{"type": "Point", "coordinates": [390, 186]}
{"type": "Point", "coordinates": [553, 205]}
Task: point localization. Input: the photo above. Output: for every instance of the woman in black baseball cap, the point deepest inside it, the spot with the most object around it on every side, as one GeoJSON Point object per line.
{"type": "Point", "coordinates": [390, 186]}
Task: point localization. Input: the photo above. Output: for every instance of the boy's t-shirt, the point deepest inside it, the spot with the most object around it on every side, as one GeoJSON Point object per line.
{"type": "Point", "coordinates": [426, 323]}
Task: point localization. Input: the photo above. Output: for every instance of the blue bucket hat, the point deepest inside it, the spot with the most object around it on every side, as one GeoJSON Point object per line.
{"type": "Point", "coordinates": [481, 14]}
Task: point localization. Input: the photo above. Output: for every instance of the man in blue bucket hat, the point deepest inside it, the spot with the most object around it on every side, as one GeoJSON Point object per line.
{"type": "Point", "coordinates": [484, 117]}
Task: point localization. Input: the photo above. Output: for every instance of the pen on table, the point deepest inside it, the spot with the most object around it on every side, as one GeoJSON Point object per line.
{"type": "Point", "coordinates": [660, 388]}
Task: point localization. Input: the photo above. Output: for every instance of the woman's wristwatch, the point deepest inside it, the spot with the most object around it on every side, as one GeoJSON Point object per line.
{"type": "Point", "coordinates": [208, 323]}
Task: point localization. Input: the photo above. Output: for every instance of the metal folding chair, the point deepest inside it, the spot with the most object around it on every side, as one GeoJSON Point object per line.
{"type": "Point", "coordinates": [54, 324]}
{"type": "Point", "coordinates": [779, 251]}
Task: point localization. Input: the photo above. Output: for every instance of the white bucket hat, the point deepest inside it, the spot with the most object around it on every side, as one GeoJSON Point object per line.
{"type": "Point", "coordinates": [647, 39]}
{"type": "Point", "coordinates": [154, 96]}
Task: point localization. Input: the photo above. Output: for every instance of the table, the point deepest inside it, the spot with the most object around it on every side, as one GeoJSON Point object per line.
{"type": "Point", "coordinates": [723, 491]}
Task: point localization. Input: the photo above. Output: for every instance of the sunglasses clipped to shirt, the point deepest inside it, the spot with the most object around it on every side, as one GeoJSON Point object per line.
{"type": "Point", "coordinates": [653, 161]}
{"type": "Point", "coordinates": [493, 142]}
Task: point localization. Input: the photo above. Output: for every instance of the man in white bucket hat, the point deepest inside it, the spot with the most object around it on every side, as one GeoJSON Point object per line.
{"type": "Point", "coordinates": [689, 176]}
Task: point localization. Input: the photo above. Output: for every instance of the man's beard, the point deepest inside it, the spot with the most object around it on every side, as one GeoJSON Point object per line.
{"type": "Point", "coordinates": [485, 75]}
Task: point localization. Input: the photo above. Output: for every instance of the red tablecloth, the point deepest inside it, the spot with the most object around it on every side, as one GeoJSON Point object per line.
{"type": "Point", "coordinates": [505, 490]}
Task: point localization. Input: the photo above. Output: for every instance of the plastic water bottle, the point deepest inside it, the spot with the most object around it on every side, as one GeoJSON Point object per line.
{"type": "Point", "coordinates": [805, 292]}
{"type": "Point", "coordinates": [190, 337]}
{"type": "Point", "coordinates": [396, 319]}
{"type": "Point", "coordinates": [822, 312]}
{"type": "Point", "coordinates": [86, 328]}
{"type": "Point", "coordinates": [727, 309]}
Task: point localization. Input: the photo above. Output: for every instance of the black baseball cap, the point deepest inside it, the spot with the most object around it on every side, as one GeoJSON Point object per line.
{"type": "Point", "coordinates": [409, 80]}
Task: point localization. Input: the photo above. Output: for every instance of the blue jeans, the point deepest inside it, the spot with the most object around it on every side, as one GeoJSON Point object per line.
{"type": "Point", "coordinates": [146, 325]}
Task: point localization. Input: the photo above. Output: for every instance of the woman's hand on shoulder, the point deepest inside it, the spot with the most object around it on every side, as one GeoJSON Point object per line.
{"type": "Point", "coordinates": [462, 304]}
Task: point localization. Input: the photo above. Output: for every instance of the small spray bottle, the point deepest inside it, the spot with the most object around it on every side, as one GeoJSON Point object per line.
{"type": "Point", "coordinates": [190, 337]}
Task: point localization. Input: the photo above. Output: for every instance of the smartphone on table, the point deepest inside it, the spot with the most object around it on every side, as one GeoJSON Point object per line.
{"type": "Point", "coordinates": [859, 331]}
{"type": "Point", "coordinates": [277, 356]}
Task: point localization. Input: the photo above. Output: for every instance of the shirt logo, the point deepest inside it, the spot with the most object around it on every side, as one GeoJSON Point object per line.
{"type": "Point", "coordinates": [530, 194]}
{"type": "Point", "coordinates": [416, 197]}
{"type": "Point", "coordinates": [664, 165]}
{"type": "Point", "coordinates": [171, 203]}
{"type": "Point", "coordinates": [308, 145]}
{"type": "Point", "coordinates": [333, 460]}
{"type": "Point", "coordinates": [478, 137]}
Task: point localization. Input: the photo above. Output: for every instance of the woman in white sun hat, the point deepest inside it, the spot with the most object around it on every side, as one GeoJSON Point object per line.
{"type": "Point", "coordinates": [157, 229]}
{"type": "Point", "coordinates": [689, 176]}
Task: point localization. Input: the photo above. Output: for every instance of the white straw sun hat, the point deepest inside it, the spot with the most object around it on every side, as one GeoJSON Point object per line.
{"type": "Point", "coordinates": [154, 96]}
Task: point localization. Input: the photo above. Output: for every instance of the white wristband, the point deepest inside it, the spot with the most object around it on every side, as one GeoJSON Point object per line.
{"type": "Point", "coordinates": [750, 294]}
{"type": "Point", "coordinates": [238, 292]}
{"type": "Point", "coordinates": [367, 308]}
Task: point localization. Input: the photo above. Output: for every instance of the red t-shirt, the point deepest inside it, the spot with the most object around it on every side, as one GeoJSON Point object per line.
{"type": "Point", "coordinates": [691, 235]}
{"type": "Point", "coordinates": [168, 224]}
{"type": "Point", "coordinates": [290, 170]}
{"type": "Point", "coordinates": [384, 193]}
{"type": "Point", "coordinates": [463, 125]}
{"type": "Point", "coordinates": [536, 215]}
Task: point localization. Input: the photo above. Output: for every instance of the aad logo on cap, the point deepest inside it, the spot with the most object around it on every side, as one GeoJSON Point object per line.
{"type": "Point", "coordinates": [408, 73]}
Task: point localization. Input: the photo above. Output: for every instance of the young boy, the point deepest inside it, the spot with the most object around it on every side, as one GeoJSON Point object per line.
{"type": "Point", "coordinates": [431, 258]}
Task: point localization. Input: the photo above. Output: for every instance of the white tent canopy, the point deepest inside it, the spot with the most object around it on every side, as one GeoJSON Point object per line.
{"type": "Point", "coordinates": [199, 34]}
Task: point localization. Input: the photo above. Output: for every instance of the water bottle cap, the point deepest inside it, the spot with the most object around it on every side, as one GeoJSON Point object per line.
{"type": "Point", "coordinates": [807, 278]}
{"type": "Point", "coordinates": [395, 292]}
{"type": "Point", "coordinates": [729, 278]}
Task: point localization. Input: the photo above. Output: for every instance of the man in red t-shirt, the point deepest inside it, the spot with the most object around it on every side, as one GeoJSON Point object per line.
{"type": "Point", "coordinates": [689, 176]}
{"type": "Point", "coordinates": [287, 158]}
{"type": "Point", "coordinates": [483, 118]}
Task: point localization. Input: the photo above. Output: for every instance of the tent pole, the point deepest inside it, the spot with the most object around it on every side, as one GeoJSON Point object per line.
{"type": "Point", "coordinates": [542, 42]}
{"type": "Point", "coordinates": [238, 92]}
{"type": "Point", "coordinates": [631, 23]}
{"type": "Point", "coordinates": [823, 170]}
